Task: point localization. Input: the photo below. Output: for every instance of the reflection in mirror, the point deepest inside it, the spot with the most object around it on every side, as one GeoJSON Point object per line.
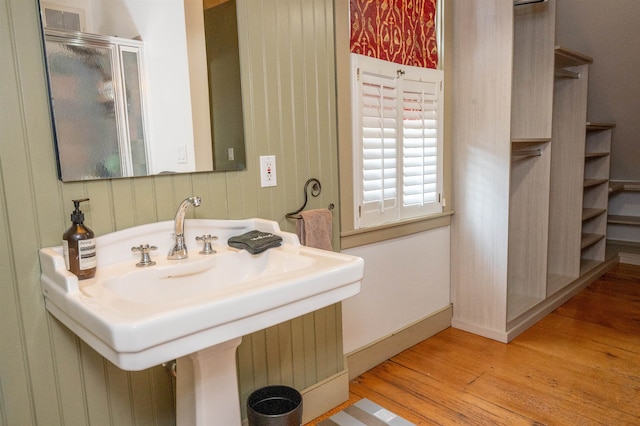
{"type": "Point", "coordinates": [143, 87]}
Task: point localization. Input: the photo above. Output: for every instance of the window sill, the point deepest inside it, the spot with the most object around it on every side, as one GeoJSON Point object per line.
{"type": "Point", "coordinates": [360, 237]}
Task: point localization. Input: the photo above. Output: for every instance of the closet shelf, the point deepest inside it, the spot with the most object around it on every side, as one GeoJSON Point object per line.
{"type": "Point", "coordinates": [593, 182]}
{"type": "Point", "coordinates": [620, 186]}
{"type": "Point", "coordinates": [588, 240]}
{"type": "Point", "coordinates": [590, 155]}
{"type": "Point", "coordinates": [594, 127]}
{"type": "Point", "coordinates": [562, 73]}
{"type": "Point", "coordinates": [623, 220]}
{"type": "Point", "coordinates": [529, 140]}
{"type": "Point", "coordinates": [570, 58]}
{"type": "Point", "coordinates": [589, 213]}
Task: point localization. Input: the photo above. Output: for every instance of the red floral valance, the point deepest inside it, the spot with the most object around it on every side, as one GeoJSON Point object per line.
{"type": "Point", "coordinates": [400, 31]}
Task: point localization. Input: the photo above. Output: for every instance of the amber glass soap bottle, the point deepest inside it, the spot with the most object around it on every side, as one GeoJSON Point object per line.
{"type": "Point", "coordinates": [79, 245]}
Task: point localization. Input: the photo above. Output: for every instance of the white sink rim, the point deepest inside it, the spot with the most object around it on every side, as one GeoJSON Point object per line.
{"type": "Point", "coordinates": [136, 342]}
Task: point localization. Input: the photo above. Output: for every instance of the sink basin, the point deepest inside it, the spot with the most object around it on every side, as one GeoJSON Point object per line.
{"type": "Point", "coordinates": [141, 317]}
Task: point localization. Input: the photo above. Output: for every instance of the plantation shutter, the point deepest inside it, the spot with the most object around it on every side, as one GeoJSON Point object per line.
{"type": "Point", "coordinates": [420, 148]}
{"type": "Point", "coordinates": [379, 127]}
{"type": "Point", "coordinates": [397, 141]}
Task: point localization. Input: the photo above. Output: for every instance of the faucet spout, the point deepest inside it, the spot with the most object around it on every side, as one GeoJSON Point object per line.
{"type": "Point", "coordinates": [179, 250]}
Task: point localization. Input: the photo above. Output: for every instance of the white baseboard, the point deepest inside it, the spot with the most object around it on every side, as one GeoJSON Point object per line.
{"type": "Point", "coordinates": [366, 358]}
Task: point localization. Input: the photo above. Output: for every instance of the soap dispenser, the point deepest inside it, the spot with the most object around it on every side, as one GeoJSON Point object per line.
{"type": "Point", "coordinates": [79, 245]}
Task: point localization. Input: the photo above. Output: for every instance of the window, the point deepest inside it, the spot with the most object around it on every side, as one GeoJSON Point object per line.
{"type": "Point", "coordinates": [397, 141]}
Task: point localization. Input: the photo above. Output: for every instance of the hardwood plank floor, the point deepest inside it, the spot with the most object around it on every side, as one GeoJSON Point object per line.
{"type": "Point", "coordinates": [580, 365]}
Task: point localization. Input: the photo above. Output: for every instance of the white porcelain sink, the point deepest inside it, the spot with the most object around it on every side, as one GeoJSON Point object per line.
{"type": "Point", "coordinates": [141, 317]}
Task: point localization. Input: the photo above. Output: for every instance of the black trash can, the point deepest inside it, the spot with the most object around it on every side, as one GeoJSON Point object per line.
{"type": "Point", "coordinates": [275, 406]}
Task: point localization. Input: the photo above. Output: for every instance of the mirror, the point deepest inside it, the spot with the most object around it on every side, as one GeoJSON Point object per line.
{"type": "Point", "coordinates": [143, 87]}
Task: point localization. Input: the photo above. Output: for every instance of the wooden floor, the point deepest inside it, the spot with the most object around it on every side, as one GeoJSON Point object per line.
{"type": "Point", "coordinates": [580, 365]}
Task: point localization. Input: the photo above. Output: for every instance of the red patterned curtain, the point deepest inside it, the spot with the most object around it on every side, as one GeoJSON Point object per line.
{"type": "Point", "coordinates": [400, 31]}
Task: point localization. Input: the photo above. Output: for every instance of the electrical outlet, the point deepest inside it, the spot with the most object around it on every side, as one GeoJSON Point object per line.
{"type": "Point", "coordinates": [182, 154]}
{"type": "Point", "coordinates": [268, 170]}
{"type": "Point", "coordinates": [230, 154]}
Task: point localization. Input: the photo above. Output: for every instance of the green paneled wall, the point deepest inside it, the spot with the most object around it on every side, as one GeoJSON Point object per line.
{"type": "Point", "coordinates": [47, 375]}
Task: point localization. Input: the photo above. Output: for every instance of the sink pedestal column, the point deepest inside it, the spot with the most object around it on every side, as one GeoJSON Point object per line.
{"type": "Point", "coordinates": [207, 387]}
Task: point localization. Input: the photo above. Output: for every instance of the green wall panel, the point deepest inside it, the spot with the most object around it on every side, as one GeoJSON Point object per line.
{"type": "Point", "coordinates": [47, 375]}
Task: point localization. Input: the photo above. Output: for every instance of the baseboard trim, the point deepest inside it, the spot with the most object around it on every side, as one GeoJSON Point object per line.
{"type": "Point", "coordinates": [497, 335]}
{"type": "Point", "coordinates": [629, 258]}
{"type": "Point", "coordinates": [322, 397]}
{"type": "Point", "coordinates": [325, 395]}
{"type": "Point", "coordinates": [366, 358]}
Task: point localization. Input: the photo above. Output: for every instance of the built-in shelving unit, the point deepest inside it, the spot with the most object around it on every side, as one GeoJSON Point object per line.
{"type": "Point", "coordinates": [567, 168]}
{"type": "Point", "coordinates": [595, 197]}
{"type": "Point", "coordinates": [533, 165]}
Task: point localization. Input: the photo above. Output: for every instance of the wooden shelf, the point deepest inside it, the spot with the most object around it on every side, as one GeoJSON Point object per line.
{"type": "Point", "coordinates": [615, 187]}
{"type": "Point", "coordinates": [570, 58]}
{"type": "Point", "coordinates": [588, 213]}
{"type": "Point", "coordinates": [589, 240]}
{"type": "Point", "coordinates": [562, 73]}
{"type": "Point", "coordinates": [593, 182]}
{"type": "Point", "coordinates": [620, 185]}
{"type": "Point", "coordinates": [594, 127]}
{"type": "Point", "coordinates": [533, 141]}
{"type": "Point", "coordinates": [590, 155]}
{"type": "Point", "coordinates": [623, 220]}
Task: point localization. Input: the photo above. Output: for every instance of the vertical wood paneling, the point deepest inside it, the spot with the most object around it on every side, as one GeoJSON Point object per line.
{"type": "Point", "coordinates": [68, 373]}
{"type": "Point", "coordinates": [34, 355]}
{"type": "Point", "coordinates": [48, 375]}
{"type": "Point", "coordinates": [119, 395]}
{"type": "Point", "coordinates": [14, 390]}
{"type": "Point", "coordinates": [96, 394]}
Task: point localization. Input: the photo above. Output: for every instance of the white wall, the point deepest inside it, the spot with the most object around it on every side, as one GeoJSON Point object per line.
{"type": "Point", "coordinates": [162, 28]}
{"type": "Point", "coordinates": [405, 280]}
{"type": "Point", "coordinates": [609, 32]}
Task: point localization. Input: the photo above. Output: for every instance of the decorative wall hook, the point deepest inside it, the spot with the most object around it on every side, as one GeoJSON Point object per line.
{"type": "Point", "coordinates": [316, 189]}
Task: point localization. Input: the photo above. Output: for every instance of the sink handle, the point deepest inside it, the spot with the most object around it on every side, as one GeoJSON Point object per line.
{"type": "Point", "coordinates": [206, 239]}
{"type": "Point", "coordinates": [144, 250]}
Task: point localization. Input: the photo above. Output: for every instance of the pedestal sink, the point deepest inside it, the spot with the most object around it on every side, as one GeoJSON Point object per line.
{"type": "Point", "coordinates": [195, 310]}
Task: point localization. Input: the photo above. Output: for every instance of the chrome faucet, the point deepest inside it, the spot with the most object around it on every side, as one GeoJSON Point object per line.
{"type": "Point", "coordinates": [179, 250]}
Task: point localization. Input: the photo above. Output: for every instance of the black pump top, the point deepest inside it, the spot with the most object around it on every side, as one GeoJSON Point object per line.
{"type": "Point", "coordinates": [77, 217]}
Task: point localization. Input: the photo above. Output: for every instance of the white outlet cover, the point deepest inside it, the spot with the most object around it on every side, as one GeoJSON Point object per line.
{"type": "Point", "coordinates": [268, 171]}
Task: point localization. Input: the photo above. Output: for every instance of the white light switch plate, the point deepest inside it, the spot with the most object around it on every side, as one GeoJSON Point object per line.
{"type": "Point", "coordinates": [268, 170]}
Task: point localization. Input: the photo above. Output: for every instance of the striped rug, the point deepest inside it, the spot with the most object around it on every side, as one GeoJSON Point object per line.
{"type": "Point", "coordinates": [365, 412]}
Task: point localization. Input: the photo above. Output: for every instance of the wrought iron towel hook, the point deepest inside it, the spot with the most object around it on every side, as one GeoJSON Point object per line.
{"type": "Point", "coordinates": [316, 189]}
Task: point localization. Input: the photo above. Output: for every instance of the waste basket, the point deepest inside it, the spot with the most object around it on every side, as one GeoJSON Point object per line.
{"type": "Point", "coordinates": [275, 406]}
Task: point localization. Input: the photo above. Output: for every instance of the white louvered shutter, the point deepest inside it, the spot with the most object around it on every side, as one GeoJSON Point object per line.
{"type": "Point", "coordinates": [379, 148]}
{"type": "Point", "coordinates": [421, 157]}
{"type": "Point", "coordinates": [397, 141]}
